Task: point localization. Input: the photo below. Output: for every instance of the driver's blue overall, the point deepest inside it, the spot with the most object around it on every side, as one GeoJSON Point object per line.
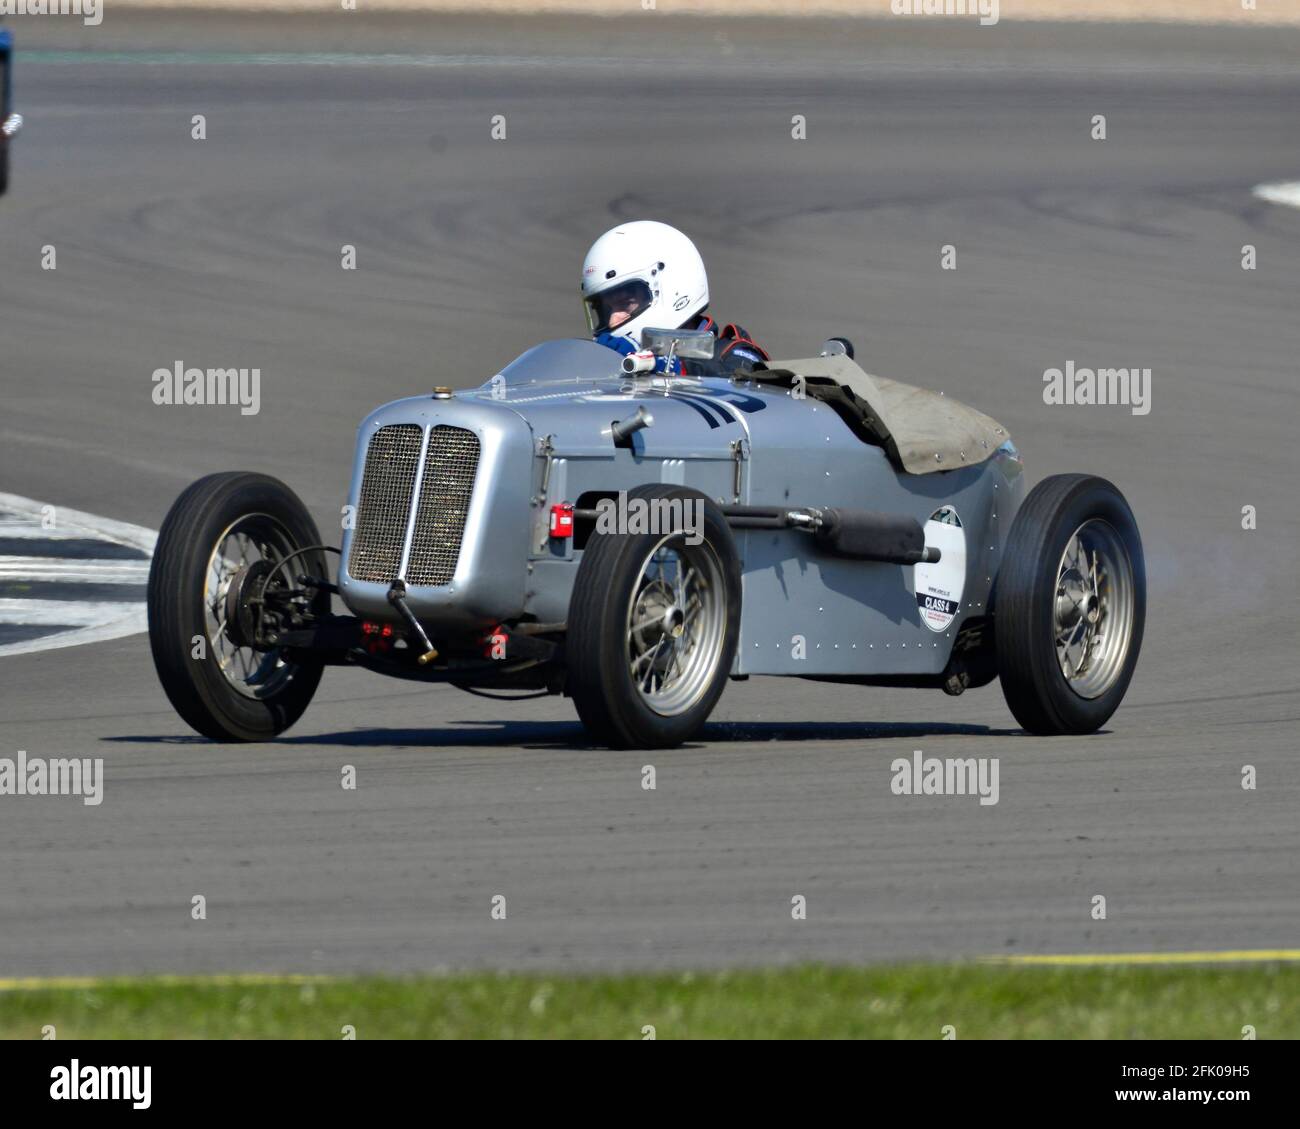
{"type": "Point", "coordinates": [738, 350]}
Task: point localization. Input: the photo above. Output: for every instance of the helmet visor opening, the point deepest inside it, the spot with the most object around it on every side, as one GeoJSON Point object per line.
{"type": "Point", "coordinates": [617, 306]}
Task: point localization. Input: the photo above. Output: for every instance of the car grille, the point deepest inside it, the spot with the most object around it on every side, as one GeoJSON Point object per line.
{"type": "Point", "coordinates": [449, 469]}
{"type": "Point", "coordinates": [387, 486]}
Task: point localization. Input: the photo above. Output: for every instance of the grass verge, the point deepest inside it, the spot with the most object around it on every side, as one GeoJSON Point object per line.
{"type": "Point", "coordinates": [887, 1002]}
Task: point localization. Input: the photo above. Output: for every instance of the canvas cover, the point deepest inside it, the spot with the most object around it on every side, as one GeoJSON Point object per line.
{"type": "Point", "coordinates": [922, 431]}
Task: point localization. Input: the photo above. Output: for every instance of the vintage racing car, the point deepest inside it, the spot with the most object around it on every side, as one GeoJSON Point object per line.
{"type": "Point", "coordinates": [579, 525]}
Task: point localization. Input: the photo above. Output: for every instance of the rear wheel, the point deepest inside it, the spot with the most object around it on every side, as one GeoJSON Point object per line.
{"type": "Point", "coordinates": [653, 625]}
{"type": "Point", "coordinates": [214, 564]}
{"type": "Point", "coordinates": [1070, 605]}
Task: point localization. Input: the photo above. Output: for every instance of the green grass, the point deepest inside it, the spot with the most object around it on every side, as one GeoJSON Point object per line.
{"type": "Point", "coordinates": [890, 1002]}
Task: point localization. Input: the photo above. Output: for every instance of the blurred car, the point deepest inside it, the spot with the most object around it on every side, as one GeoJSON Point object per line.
{"type": "Point", "coordinates": [10, 122]}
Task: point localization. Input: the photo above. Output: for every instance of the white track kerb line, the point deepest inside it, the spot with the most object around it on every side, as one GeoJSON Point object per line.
{"type": "Point", "coordinates": [90, 620]}
{"type": "Point", "coordinates": [1280, 193]}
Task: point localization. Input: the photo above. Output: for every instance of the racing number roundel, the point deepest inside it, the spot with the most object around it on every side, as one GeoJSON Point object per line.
{"type": "Point", "coordinates": [939, 585]}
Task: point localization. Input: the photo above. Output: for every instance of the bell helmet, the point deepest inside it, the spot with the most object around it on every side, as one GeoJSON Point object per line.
{"type": "Point", "coordinates": [642, 274]}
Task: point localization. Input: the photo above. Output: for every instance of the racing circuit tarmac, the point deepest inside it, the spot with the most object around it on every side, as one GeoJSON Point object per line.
{"type": "Point", "coordinates": [225, 252]}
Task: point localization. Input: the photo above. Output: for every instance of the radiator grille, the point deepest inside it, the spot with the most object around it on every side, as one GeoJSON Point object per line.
{"type": "Point", "coordinates": [449, 470]}
{"type": "Point", "coordinates": [386, 486]}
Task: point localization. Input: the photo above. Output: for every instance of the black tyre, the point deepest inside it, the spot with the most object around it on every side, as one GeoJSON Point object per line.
{"type": "Point", "coordinates": [653, 625]}
{"type": "Point", "coordinates": [1070, 605]}
{"type": "Point", "coordinates": [222, 687]}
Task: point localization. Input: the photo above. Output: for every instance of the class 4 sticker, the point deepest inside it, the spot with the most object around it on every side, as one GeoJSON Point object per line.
{"type": "Point", "coordinates": [939, 585]}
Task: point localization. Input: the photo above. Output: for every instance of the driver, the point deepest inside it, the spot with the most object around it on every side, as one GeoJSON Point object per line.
{"type": "Point", "coordinates": [647, 274]}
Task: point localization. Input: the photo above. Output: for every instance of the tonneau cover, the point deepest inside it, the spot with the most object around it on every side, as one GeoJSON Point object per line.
{"type": "Point", "coordinates": [922, 431]}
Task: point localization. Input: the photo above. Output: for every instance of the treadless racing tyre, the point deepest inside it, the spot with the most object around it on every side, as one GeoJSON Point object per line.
{"type": "Point", "coordinates": [218, 529]}
{"type": "Point", "coordinates": [1070, 605]}
{"type": "Point", "coordinates": [653, 626]}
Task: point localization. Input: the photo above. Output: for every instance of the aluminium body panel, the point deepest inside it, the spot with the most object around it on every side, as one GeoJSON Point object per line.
{"type": "Point", "coordinates": [488, 581]}
{"type": "Point", "coordinates": [804, 612]}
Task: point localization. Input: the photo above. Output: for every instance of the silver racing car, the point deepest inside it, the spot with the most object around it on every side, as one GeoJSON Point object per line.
{"type": "Point", "coordinates": [582, 524]}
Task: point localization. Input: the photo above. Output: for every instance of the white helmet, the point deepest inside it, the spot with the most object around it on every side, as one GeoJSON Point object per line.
{"type": "Point", "coordinates": [642, 274]}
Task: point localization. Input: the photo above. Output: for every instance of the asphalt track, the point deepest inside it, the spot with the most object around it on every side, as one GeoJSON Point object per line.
{"type": "Point", "coordinates": [226, 253]}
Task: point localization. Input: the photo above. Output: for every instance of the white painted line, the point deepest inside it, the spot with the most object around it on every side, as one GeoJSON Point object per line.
{"type": "Point", "coordinates": [91, 621]}
{"type": "Point", "coordinates": [78, 524]}
{"type": "Point", "coordinates": [68, 613]}
{"type": "Point", "coordinates": [132, 624]}
{"type": "Point", "coordinates": [69, 571]}
{"type": "Point", "coordinates": [1288, 193]}
{"type": "Point", "coordinates": [29, 529]}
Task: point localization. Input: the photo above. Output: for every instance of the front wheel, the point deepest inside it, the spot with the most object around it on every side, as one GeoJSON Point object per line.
{"type": "Point", "coordinates": [1070, 605]}
{"type": "Point", "coordinates": [653, 622]}
{"type": "Point", "coordinates": [213, 573]}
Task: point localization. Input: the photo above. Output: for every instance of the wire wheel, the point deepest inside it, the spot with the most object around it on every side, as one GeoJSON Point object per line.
{"type": "Point", "coordinates": [1069, 605]}
{"type": "Point", "coordinates": [249, 541]}
{"type": "Point", "coordinates": [218, 552]}
{"type": "Point", "coordinates": [676, 625]}
{"type": "Point", "coordinates": [654, 622]}
{"type": "Point", "coordinates": [1093, 616]}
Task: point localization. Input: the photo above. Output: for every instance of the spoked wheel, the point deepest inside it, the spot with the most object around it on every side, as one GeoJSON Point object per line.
{"type": "Point", "coordinates": [1070, 605]}
{"type": "Point", "coordinates": [1094, 608]}
{"type": "Point", "coordinates": [653, 626]}
{"type": "Point", "coordinates": [245, 553]}
{"type": "Point", "coordinates": [214, 581]}
{"type": "Point", "coordinates": [676, 625]}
